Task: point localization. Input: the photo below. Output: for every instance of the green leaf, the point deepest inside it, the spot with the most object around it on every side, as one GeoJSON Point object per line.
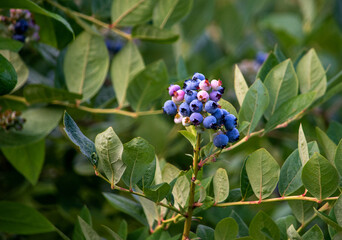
{"type": "Point", "coordinates": [123, 230]}
{"type": "Point", "coordinates": [38, 93]}
{"type": "Point", "coordinates": [168, 12]}
{"type": "Point", "coordinates": [87, 230]}
{"type": "Point", "coordinates": [254, 105]}
{"type": "Point", "coordinates": [131, 12]}
{"type": "Point", "coordinates": [221, 185]}
{"type": "Point", "coordinates": [320, 177]}
{"type": "Point", "coordinates": [127, 206]}
{"type": "Point", "coordinates": [35, 128]}
{"type": "Point", "coordinates": [147, 179]}
{"type": "Point", "coordinates": [311, 74]}
{"type": "Point", "coordinates": [335, 131]}
{"type": "Point", "coordinates": [190, 136]}
{"type": "Point", "coordinates": [154, 34]}
{"type": "Point", "coordinates": [245, 185]}
{"type": "Point", "coordinates": [145, 87]}
{"type": "Point", "coordinates": [293, 234]}
{"type": "Point", "coordinates": [313, 233]}
{"type": "Point", "coordinates": [204, 232]}
{"type": "Point", "coordinates": [302, 146]}
{"type": "Point", "coordinates": [243, 228]}
{"type": "Point", "coordinates": [157, 192]}
{"type": "Point", "coordinates": [302, 210]}
{"type": "Point", "coordinates": [125, 66]}
{"type": "Point", "coordinates": [338, 158]}
{"type": "Point", "coordinates": [137, 156]}
{"type": "Point", "coordinates": [282, 84]}
{"type": "Point", "coordinates": [150, 210]}
{"type": "Point", "coordinates": [290, 109]}
{"type": "Point", "coordinates": [226, 229]}
{"type": "Point", "coordinates": [27, 159]}
{"type": "Point", "coordinates": [29, 5]}
{"type": "Point", "coordinates": [240, 85]}
{"type": "Point", "coordinates": [338, 210]}
{"type": "Point", "coordinates": [87, 147]}
{"type": "Point", "coordinates": [263, 227]}
{"type": "Point", "coordinates": [181, 191]}
{"type": "Point", "coordinates": [10, 44]}
{"type": "Point", "coordinates": [20, 219]}
{"type": "Point", "coordinates": [8, 76]}
{"type": "Point", "coordinates": [333, 91]}
{"type": "Point", "coordinates": [267, 66]}
{"type": "Point", "coordinates": [86, 64]}
{"type": "Point", "coordinates": [85, 215]}
{"type": "Point", "coordinates": [328, 220]}
{"type": "Point", "coordinates": [19, 67]}
{"type": "Point", "coordinates": [169, 173]}
{"type": "Point", "coordinates": [113, 235]}
{"type": "Point", "coordinates": [228, 106]}
{"type": "Point", "coordinates": [329, 147]}
{"type": "Point", "coordinates": [284, 223]}
{"type": "Point", "coordinates": [109, 149]}
{"type": "Point", "coordinates": [263, 173]}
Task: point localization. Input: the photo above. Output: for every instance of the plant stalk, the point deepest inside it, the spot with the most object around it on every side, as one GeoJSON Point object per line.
{"type": "Point", "coordinates": [187, 223]}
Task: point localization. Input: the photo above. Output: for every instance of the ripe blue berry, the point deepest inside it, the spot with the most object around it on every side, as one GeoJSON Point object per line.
{"type": "Point", "coordinates": [199, 76]}
{"type": "Point", "coordinates": [191, 84]}
{"type": "Point", "coordinates": [261, 57]}
{"type": "Point", "coordinates": [19, 37]}
{"type": "Point", "coordinates": [210, 122]}
{"type": "Point", "coordinates": [211, 106]}
{"type": "Point", "coordinates": [196, 118]}
{"type": "Point", "coordinates": [184, 109]}
{"type": "Point", "coordinates": [196, 106]}
{"type": "Point", "coordinates": [233, 135]}
{"type": "Point", "coordinates": [225, 112]}
{"type": "Point", "coordinates": [170, 108]}
{"type": "Point", "coordinates": [218, 114]}
{"type": "Point", "coordinates": [21, 26]}
{"type": "Point", "coordinates": [220, 89]}
{"type": "Point", "coordinates": [220, 140]}
{"type": "Point", "coordinates": [229, 121]}
{"type": "Point", "coordinates": [172, 89]}
{"type": "Point", "coordinates": [190, 96]}
{"type": "Point", "coordinates": [215, 96]}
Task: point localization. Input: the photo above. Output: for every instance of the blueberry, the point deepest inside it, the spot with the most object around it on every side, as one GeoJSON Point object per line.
{"type": "Point", "coordinates": [196, 106]}
{"type": "Point", "coordinates": [190, 96]}
{"type": "Point", "coordinates": [191, 84]}
{"type": "Point", "coordinates": [215, 84]}
{"type": "Point", "coordinates": [211, 106]}
{"type": "Point", "coordinates": [196, 118]}
{"type": "Point", "coordinates": [205, 85]}
{"type": "Point", "coordinates": [225, 112]}
{"type": "Point", "coordinates": [172, 89]}
{"type": "Point", "coordinates": [210, 122]}
{"type": "Point", "coordinates": [199, 76]}
{"type": "Point", "coordinates": [21, 26]}
{"type": "Point", "coordinates": [170, 108]}
{"type": "Point", "coordinates": [220, 140]}
{"type": "Point", "coordinates": [19, 37]}
{"type": "Point", "coordinates": [215, 96]}
{"type": "Point", "coordinates": [261, 57]}
{"type": "Point", "coordinates": [233, 135]}
{"type": "Point", "coordinates": [114, 46]}
{"type": "Point", "coordinates": [203, 96]}
{"type": "Point", "coordinates": [229, 121]}
{"type": "Point", "coordinates": [220, 89]}
{"type": "Point", "coordinates": [184, 109]}
{"type": "Point", "coordinates": [218, 114]}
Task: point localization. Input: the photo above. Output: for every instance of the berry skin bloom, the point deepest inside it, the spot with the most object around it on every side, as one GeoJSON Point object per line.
{"type": "Point", "coordinates": [196, 106]}
{"type": "Point", "coordinates": [210, 122]}
{"type": "Point", "coordinates": [205, 85]}
{"type": "Point", "coordinates": [178, 118]}
{"type": "Point", "coordinates": [190, 96]}
{"type": "Point", "coordinates": [170, 108]}
{"type": "Point", "coordinates": [186, 121]}
{"type": "Point", "coordinates": [172, 89]}
{"type": "Point", "coordinates": [211, 106]}
{"type": "Point", "coordinates": [199, 76]}
{"type": "Point", "coordinates": [215, 96]}
{"type": "Point", "coordinates": [203, 96]}
{"type": "Point", "coordinates": [229, 121]}
{"type": "Point", "coordinates": [196, 118]}
{"type": "Point", "coordinates": [215, 84]}
{"type": "Point", "coordinates": [233, 135]}
{"type": "Point", "coordinates": [220, 140]}
{"type": "Point", "coordinates": [184, 109]}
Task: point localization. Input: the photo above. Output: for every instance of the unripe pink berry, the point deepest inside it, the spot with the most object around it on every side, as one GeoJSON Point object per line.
{"type": "Point", "coordinates": [215, 84]}
{"type": "Point", "coordinates": [205, 85]}
{"type": "Point", "coordinates": [186, 121]}
{"type": "Point", "coordinates": [203, 96]}
{"type": "Point", "coordinates": [178, 96]}
{"type": "Point", "coordinates": [178, 118]}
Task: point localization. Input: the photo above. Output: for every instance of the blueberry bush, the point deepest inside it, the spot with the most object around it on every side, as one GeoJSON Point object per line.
{"type": "Point", "coordinates": [170, 119]}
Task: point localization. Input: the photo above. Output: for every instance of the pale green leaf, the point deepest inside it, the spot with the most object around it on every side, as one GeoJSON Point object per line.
{"type": "Point", "coordinates": [329, 147]}
{"type": "Point", "coordinates": [313, 233]}
{"type": "Point", "coordinates": [226, 229]}
{"type": "Point", "coordinates": [87, 230]}
{"type": "Point", "coordinates": [302, 146]}
{"type": "Point", "coordinates": [302, 210]}
{"type": "Point", "coordinates": [181, 191]}
{"type": "Point", "coordinates": [227, 106]}
{"type": "Point", "coordinates": [154, 34]}
{"type": "Point", "coordinates": [263, 227]}
{"type": "Point", "coordinates": [240, 85]}
{"type": "Point", "coordinates": [221, 185]}
{"type": "Point", "coordinates": [338, 158]}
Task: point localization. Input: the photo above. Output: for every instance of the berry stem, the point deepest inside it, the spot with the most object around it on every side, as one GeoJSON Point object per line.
{"type": "Point", "coordinates": [187, 224]}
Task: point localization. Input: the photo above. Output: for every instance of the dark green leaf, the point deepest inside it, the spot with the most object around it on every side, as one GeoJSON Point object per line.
{"type": "Point", "coordinates": [127, 206]}
{"type": "Point", "coordinates": [263, 173]}
{"type": "Point", "coordinates": [87, 147]}
{"type": "Point", "coordinates": [125, 66]}
{"type": "Point", "coordinates": [10, 44]}
{"type": "Point", "coordinates": [266, 67]}
{"type": "Point", "coordinates": [154, 34]}
{"type": "Point", "coordinates": [20, 219]}
{"type": "Point", "coordinates": [123, 230]}
{"type": "Point", "coordinates": [38, 93]}
{"type": "Point", "coordinates": [334, 131]}
{"type": "Point", "coordinates": [157, 192]}
{"type": "Point", "coordinates": [204, 232]}
{"type": "Point", "coordinates": [8, 76]}
{"type": "Point", "coordinates": [328, 220]}
{"type": "Point", "coordinates": [86, 64]}
{"type": "Point", "coordinates": [146, 86]}
{"type": "Point", "coordinates": [226, 229]}
{"type": "Point", "coordinates": [263, 227]}
{"type": "Point", "coordinates": [147, 180]}
{"type": "Point", "coordinates": [302, 210]}
{"type": "Point", "coordinates": [190, 136]}
{"type": "Point", "coordinates": [254, 105]}
{"type": "Point", "coordinates": [313, 233]}
{"type": "Point", "coordinates": [113, 235]}
{"type": "Point", "coordinates": [284, 223]}
{"type": "Point", "coordinates": [243, 228]}
{"type": "Point", "coordinates": [27, 159]}
{"type": "Point", "coordinates": [338, 158]}
{"type": "Point", "coordinates": [245, 185]}
{"type": "Point", "coordinates": [290, 109]}
{"type": "Point", "coordinates": [338, 210]}
{"type": "Point", "coordinates": [137, 156]}
{"type": "Point", "coordinates": [221, 185]}
{"type": "Point", "coordinates": [320, 177]}
{"type": "Point", "coordinates": [329, 147]}
{"type": "Point", "coordinates": [87, 230]}
{"type": "Point", "coordinates": [85, 215]}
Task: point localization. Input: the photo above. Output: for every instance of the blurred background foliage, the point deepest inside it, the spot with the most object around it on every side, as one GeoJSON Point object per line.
{"type": "Point", "coordinates": [213, 37]}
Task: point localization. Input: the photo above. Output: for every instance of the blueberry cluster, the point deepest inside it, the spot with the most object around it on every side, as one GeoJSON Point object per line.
{"type": "Point", "coordinates": [11, 119]}
{"type": "Point", "coordinates": [197, 104]}
{"type": "Point", "coordinates": [21, 26]}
